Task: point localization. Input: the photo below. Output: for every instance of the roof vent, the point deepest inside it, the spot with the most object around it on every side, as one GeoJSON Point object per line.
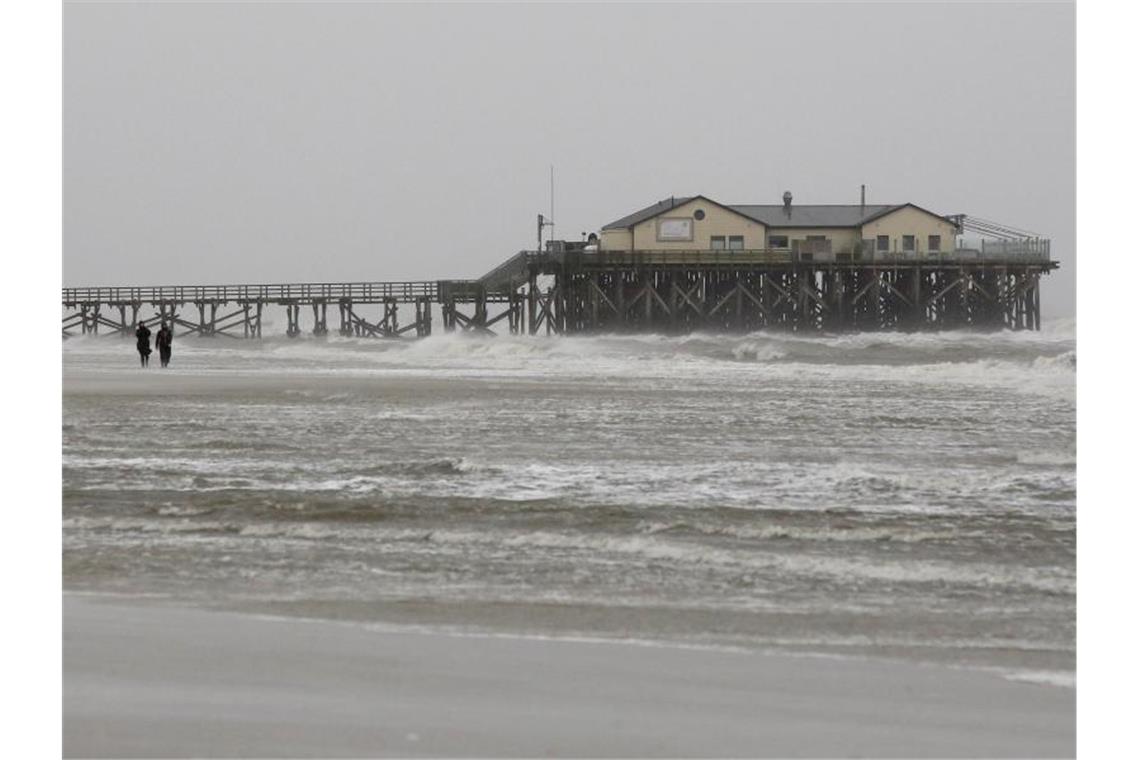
{"type": "Point", "coordinates": [788, 202]}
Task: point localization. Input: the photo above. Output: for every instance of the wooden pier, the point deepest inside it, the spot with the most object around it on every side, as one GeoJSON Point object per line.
{"type": "Point", "coordinates": [598, 291]}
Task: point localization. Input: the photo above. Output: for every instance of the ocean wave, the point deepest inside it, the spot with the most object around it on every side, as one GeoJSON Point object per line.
{"type": "Point", "coordinates": [755, 351]}
{"type": "Point", "coordinates": [183, 525]}
{"type": "Point", "coordinates": [1067, 459]}
{"type": "Point", "coordinates": [1064, 363]}
{"type": "Point", "coordinates": [1063, 678]}
{"type": "Point", "coordinates": [898, 534]}
{"type": "Point", "coordinates": [750, 563]}
{"type": "Point", "coordinates": [428, 468]}
{"type": "Point", "coordinates": [462, 349]}
{"type": "Point", "coordinates": [352, 490]}
{"type": "Point", "coordinates": [873, 349]}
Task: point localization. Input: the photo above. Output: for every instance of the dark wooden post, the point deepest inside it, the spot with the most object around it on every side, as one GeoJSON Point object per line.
{"type": "Point", "coordinates": [293, 315]}
{"type": "Point", "coordinates": [320, 318]}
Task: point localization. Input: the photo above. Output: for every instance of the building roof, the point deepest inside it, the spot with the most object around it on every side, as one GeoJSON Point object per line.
{"type": "Point", "coordinates": [648, 212]}
{"type": "Point", "coordinates": [812, 216]}
{"type": "Point", "coordinates": [775, 216]}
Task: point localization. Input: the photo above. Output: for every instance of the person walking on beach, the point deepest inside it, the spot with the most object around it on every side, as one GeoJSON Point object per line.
{"type": "Point", "coordinates": [162, 342]}
{"type": "Point", "coordinates": [143, 344]}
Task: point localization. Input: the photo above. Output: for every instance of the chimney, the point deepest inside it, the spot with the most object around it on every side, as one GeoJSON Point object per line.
{"type": "Point", "coordinates": [788, 203]}
{"type": "Point", "coordinates": [862, 199]}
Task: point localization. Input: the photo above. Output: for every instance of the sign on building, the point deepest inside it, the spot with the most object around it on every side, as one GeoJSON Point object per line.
{"type": "Point", "coordinates": [674, 229]}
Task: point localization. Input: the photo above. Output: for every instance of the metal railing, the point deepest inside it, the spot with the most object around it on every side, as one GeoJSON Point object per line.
{"type": "Point", "coordinates": [991, 251]}
{"type": "Point", "coordinates": [360, 292]}
{"type": "Point", "coordinates": [703, 257]}
{"type": "Point", "coordinates": [983, 249]}
{"type": "Point", "coordinates": [1030, 247]}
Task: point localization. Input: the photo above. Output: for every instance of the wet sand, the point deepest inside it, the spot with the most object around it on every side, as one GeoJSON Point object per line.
{"type": "Point", "coordinates": [152, 680]}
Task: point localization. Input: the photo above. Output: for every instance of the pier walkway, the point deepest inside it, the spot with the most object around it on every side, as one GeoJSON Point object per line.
{"type": "Point", "coordinates": [995, 286]}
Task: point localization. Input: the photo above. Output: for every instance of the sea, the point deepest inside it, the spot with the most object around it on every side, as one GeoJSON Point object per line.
{"type": "Point", "coordinates": [877, 495]}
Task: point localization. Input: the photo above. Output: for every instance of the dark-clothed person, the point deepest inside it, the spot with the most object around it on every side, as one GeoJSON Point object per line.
{"type": "Point", "coordinates": [162, 341]}
{"type": "Point", "coordinates": [143, 344]}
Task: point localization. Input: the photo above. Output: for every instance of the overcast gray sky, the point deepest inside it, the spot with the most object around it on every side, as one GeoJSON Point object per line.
{"type": "Point", "coordinates": [251, 142]}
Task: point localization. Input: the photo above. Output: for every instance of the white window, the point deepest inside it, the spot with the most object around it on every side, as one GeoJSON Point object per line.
{"type": "Point", "coordinates": [934, 243]}
{"type": "Point", "coordinates": [883, 243]}
{"type": "Point", "coordinates": [736, 243]}
{"type": "Point", "coordinates": [716, 242]}
{"type": "Point", "coordinates": [908, 242]}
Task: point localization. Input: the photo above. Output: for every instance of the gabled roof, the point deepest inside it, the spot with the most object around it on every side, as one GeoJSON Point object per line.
{"type": "Point", "coordinates": [812, 216]}
{"type": "Point", "coordinates": [775, 216]}
{"type": "Point", "coordinates": [648, 212]}
{"type": "Point", "coordinates": [660, 207]}
{"type": "Point", "coordinates": [906, 205]}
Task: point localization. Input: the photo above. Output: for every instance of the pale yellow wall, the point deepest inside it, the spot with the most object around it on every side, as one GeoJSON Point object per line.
{"type": "Point", "coordinates": [843, 239]}
{"type": "Point", "coordinates": [615, 240]}
{"type": "Point", "coordinates": [910, 221]}
{"type": "Point", "coordinates": [717, 221]}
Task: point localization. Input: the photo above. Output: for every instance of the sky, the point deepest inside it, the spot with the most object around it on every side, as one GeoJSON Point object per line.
{"type": "Point", "coordinates": [274, 142]}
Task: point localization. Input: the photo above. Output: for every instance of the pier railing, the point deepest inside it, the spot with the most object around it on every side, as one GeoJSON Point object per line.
{"type": "Point", "coordinates": [656, 257]}
{"type": "Point", "coordinates": [987, 251]}
{"type": "Point", "coordinates": [1030, 248]}
{"type": "Point", "coordinates": [358, 292]}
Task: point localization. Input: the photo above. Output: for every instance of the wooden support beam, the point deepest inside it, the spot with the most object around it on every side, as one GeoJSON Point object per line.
{"type": "Point", "coordinates": [687, 297]}
{"type": "Point", "coordinates": [810, 292]}
{"type": "Point", "coordinates": [746, 293]}
{"type": "Point", "coordinates": [898, 293]}
{"type": "Point", "coordinates": [866, 288]}
{"type": "Point", "coordinates": [721, 303]}
{"type": "Point", "coordinates": [938, 296]}
{"type": "Point", "coordinates": [601, 294]}
{"type": "Point", "coordinates": [660, 301]}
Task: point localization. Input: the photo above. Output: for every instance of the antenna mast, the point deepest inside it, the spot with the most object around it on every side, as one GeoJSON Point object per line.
{"type": "Point", "coordinates": [544, 221]}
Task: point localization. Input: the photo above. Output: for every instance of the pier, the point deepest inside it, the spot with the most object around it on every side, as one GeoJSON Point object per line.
{"type": "Point", "coordinates": [579, 291]}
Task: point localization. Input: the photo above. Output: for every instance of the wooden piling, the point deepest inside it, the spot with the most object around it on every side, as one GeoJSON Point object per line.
{"type": "Point", "coordinates": [642, 291]}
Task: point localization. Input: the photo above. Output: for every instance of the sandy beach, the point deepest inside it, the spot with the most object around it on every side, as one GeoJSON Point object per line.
{"type": "Point", "coordinates": [150, 680]}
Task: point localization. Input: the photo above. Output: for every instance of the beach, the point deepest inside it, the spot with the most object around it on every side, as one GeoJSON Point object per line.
{"type": "Point", "coordinates": [715, 545]}
{"type": "Point", "coordinates": [152, 680]}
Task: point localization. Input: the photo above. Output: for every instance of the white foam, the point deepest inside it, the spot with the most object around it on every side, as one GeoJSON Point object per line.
{"type": "Point", "coordinates": [1063, 678]}
{"type": "Point", "coordinates": [1007, 359]}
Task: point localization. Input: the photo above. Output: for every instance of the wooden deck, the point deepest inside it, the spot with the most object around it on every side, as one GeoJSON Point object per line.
{"type": "Point", "coordinates": [592, 291]}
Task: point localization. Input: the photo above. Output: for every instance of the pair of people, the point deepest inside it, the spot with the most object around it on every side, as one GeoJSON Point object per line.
{"type": "Point", "coordinates": [162, 341]}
